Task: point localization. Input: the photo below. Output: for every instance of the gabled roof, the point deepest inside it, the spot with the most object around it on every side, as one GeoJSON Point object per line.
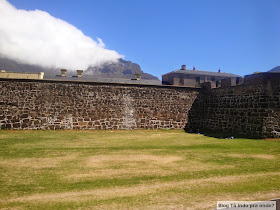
{"type": "Point", "coordinates": [207, 73]}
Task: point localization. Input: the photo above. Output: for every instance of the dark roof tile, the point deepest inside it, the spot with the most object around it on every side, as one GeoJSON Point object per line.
{"type": "Point", "coordinates": [105, 80]}
{"type": "Point", "coordinates": [208, 73]}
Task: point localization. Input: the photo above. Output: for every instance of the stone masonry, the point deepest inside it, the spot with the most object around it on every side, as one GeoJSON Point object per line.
{"type": "Point", "coordinates": [248, 111]}
{"type": "Point", "coordinates": [42, 104]}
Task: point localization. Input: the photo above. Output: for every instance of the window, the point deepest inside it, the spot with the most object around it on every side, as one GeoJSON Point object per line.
{"type": "Point", "coordinates": [237, 80]}
{"type": "Point", "coordinates": [217, 83]}
{"type": "Point", "coordinates": [197, 80]}
{"type": "Point", "coordinates": [213, 79]}
{"type": "Point", "coordinates": [181, 80]}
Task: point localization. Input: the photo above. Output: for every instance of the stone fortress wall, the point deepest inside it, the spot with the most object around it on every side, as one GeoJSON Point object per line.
{"type": "Point", "coordinates": [42, 104]}
{"type": "Point", "coordinates": [250, 110]}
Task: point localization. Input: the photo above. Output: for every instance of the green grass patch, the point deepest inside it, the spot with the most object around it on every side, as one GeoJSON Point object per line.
{"type": "Point", "coordinates": [154, 169]}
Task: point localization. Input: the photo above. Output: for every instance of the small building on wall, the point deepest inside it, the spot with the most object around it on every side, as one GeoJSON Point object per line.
{"type": "Point", "coordinates": [194, 78]}
{"type": "Point", "coordinates": [21, 75]}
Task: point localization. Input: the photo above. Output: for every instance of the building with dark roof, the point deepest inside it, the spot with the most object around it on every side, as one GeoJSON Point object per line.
{"type": "Point", "coordinates": [87, 78]}
{"type": "Point", "coordinates": [194, 78]}
{"type": "Point", "coordinates": [78, 77]}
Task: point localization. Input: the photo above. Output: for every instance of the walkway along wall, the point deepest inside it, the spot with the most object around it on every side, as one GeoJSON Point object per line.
{"type": "Point", "coordinates": [42, 104]}
{"type": "Point", "coordinates": [251, 110]}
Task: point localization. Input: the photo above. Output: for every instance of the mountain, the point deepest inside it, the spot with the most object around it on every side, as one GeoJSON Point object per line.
{"type": "Point", "coordinates": [14, 66]}
{"type": "Point", "coordinates": [275, 69]}
{"type": "Point", "coordinates": [121, 69]}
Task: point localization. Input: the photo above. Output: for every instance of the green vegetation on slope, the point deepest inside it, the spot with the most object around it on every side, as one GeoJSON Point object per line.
{"type": "Point", "coordinates": [133, 169]}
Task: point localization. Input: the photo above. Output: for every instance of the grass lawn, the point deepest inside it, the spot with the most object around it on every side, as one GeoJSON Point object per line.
{"type": "Point", "coordinates": [140, 169]}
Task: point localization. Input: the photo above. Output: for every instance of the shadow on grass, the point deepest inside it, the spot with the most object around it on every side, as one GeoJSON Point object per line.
{"type": "Point", "coordinates": [219, 134]}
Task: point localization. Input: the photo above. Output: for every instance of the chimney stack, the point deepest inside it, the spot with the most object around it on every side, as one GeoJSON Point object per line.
{"type": "Point", "coordinates": [183, 67]}
{"type": "Point", "coordinates": [137, 76]}
{"type": "Point", "coordinates": [63, 72]}
{"type": "Point", "coordinates": [79, 73]}
{"type": "Point", "coordinates": [194, 68]}
{"type": "Point", "coordinates": [41, 75]}
{"type": "Point", "coordinates": [219, 71]}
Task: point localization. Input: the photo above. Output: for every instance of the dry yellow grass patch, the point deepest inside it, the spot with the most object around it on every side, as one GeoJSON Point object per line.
{"type": "Point", "coordinates": [260, 156]}
{"type": "Point", "coordinates": [36, 163]}
{"type": "Point", "coordinates": [101, 160]}
{"type": "Point", "coordinates": [210, 201]}
{"type": "Point", "coordinates": [134, 169]}
{"type": "Point", "coordinates": [117, 192]}
{"type": "Point", "coordinates": [118, 173]}
{"type": "Point", "coordinates": [135, 165]}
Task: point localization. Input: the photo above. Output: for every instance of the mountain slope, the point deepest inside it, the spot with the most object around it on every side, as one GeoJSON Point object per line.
{"type": "Point", "coordinates": [120, 69]}
{"type": "Point", "coordinates": [275, 69]}
{"type": "Point", "coordinates": [14, 66]}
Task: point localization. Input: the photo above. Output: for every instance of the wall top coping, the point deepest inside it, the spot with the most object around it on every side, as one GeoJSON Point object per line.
{"type": "Point", "coordinates": [264, 73]}
{"type": "Point", "coordinates": [262, 78]}
{"type": "Point", "coordinates": [98, 83]}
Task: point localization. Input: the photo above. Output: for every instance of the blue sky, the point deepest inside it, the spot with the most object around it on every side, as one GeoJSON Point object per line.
{"type": "Point", "coordinates": [238, 36]}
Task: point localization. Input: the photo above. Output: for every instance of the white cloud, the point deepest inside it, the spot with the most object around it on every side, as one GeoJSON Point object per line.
{"type": "Point", "coordinates": [36, 37]}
